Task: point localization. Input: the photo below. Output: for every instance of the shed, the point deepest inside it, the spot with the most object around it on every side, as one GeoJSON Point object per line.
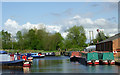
{"type": "Point", "coordinates": [110, 44]}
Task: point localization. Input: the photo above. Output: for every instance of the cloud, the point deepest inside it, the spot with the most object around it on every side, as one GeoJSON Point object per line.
{"type": "Point", "coordinates": [53, 28]}
{"type": "Point", "coordinates": [95, 5]}
{"type": "Point", "coordinates": [89, 25]}
{"type": "Point", "coordinates": [67, 12]}
{"type": "Point", "coordinates": [12, 26]}
{"type": "Point", "coordinates": [92, 25]}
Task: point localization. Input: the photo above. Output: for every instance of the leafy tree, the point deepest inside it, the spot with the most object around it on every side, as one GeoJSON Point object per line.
{"type": "Point", "coordinates": [101, 36]}
{"type": "Point", "coordinates": [76, 37]}
{"type": "Point", "coordinates": [20, 40]}
{"type": "Point", "coordinates": [57, 41]}
{"type": "Point", "coordinates": [6, 40]}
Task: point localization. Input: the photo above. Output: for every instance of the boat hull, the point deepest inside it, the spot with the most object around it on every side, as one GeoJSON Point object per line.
{"type": "Point", "coordinates": [74, 58]}
{"type": "Point", "coordinates": [105, 62]}
{"type": "Point", "coordinates": [12, 63]}
{"type": "Point", "coordinates": [38, 56]}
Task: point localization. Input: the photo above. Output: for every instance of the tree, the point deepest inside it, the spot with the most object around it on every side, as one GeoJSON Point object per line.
{"type": "Point", "coordinates": [20, 40]}
{"type": "Point", "coordinates": [6, 40]}
{"type": "Point", "coordinates": [53, 41]}
{"type": "Point", "coordinates": [57, 41]}
{"type": "Point", "coordinates": [101, 36]}
{"type": "Point", "coordinates": [76, 37]}
{"type": "Point", "coordinates": [41, 38]}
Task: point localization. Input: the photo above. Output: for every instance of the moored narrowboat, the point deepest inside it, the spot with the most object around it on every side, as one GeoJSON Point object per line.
{"type": "Point", "coordinates": [106, 58]}
{"type": "Point", "coordinates": [37, 55]}
{"type": "Point", "coordinates": [89, 58]}
{"type": "Point", "coordinates": [7, 60]}
{"type": "Point", "coordinates": [75, 56]}
{"type": "Point", "coordinates": [49, 54]}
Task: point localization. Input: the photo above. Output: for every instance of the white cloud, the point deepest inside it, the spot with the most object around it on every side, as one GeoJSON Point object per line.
{"type": "Point", "coordinates": [12, 27]}
{"type": "Point", "coordinates": [53, 28]}
{"type": "Point", "coordinates": [89, 25]}
{"type": "Point", "coordinates": [92, 25]}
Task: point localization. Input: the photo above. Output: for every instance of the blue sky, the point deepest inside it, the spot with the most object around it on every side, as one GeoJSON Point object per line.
{"type": "Point", "coordinates": [36, 12]}
{"type": "Point", "coordinates": [59, 16]}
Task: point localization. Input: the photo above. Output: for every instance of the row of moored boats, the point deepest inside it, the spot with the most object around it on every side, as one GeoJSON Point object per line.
{"type": "Point", "coordinates": [93, 58]}
{"type": "Point", "coordinates": [17, 59]}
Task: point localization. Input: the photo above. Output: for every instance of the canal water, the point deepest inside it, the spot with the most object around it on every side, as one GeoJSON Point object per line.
{"type": "Point", "coordinates": [62, 64]}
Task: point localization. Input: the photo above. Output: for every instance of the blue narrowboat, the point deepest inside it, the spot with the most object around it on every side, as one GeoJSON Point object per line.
{"type": "Point", "coordinates": [37, 55]}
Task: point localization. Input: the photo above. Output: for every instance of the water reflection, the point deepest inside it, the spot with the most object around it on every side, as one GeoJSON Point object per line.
{"type": "Point", "coordinates": [12, 70]}
{"type": "Point", "coordinates": [26, 69]}
{"type": "Point", "coordinates": [62, 65]}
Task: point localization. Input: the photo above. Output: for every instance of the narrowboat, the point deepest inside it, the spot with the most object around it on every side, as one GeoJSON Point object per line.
{"type": "Point", "coordinates": [75, 56]}
{"type": "Point", "coordinates": [10, 60]}
{"type": "Point", "coordinates": [106, 58]}
{"type": "Point", "coordinates": [37, 55]}
{"type": "Point", "coordinates": [49, 54]}
{"type": "Point", "coordinates": [89, 58]}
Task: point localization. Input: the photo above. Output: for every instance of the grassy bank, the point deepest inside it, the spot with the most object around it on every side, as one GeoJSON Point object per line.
{"type": "Point", "coordinates": [43, 51]}
{"type": "Point", "coordinates": [28, 51]}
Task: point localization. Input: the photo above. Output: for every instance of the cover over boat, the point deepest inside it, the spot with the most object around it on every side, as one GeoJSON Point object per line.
{"type": "Point", "coordinates": [89, 58]}
{"type": "Point", "coordinates": [3, 52]}
{"type": "Point", "coordinates": [106, 58]}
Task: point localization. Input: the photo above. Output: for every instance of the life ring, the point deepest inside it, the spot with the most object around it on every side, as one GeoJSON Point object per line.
{"type": "Point", "coordinates": [39, 54]}
{"type": "Point", "coordinates": [24, 57]}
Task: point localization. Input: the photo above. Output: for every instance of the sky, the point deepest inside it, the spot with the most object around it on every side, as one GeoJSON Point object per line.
{"type": "Point", "coordinates": [60, 16]}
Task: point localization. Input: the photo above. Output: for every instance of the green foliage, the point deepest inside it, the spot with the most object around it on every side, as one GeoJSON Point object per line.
{"type": "Point", "coordinates": [40, 39]}
{"type": "Point", "coordinates": [101, 36]}
{"type": "Point", "coordinates": [33, 40]}
{"type": "Point", "coordinates": [76, 37]}
{"type": "Point", "coordinates": [6, 40]}
{"type": "Point", "coordinates": [20, 40]}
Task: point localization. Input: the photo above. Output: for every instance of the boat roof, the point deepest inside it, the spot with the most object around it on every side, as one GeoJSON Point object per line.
{"type": "Point", "coordinates": [3, 52]}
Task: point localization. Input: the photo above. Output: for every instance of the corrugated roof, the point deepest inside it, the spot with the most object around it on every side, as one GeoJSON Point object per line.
{"type": "Point", "coordinates": [111, 38]}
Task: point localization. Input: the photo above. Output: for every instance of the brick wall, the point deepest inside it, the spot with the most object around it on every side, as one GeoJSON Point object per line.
{"type": "Point", "coordinates": [116, 44]}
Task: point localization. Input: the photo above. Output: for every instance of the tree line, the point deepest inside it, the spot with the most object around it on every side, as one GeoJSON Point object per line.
{"type": "Point", "coordinates": [40, 39]}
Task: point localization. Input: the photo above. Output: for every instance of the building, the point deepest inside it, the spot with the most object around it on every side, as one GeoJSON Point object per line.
{"type": "Point", "coordinates": [110, 44]}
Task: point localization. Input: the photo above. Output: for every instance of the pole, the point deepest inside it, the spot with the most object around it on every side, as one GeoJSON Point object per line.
{"type": "Point", "coordinates": [90, 36]}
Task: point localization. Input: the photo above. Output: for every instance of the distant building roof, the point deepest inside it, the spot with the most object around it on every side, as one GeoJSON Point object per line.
{"type": "Point", "coordinates": [111, 38]}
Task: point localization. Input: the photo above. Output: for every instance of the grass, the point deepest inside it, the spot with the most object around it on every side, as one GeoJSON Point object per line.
{"type": "Point", "coordinates": [28, 51]}
{"type": "Point", "coordinates": [43, 51]}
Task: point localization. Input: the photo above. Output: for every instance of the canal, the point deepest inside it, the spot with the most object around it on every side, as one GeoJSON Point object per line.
{"type": "Point", "coordinates": [62, 64]}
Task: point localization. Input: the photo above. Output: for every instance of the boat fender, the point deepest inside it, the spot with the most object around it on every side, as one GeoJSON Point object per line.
{"type": "Point", "coordinates": [109, 62]}
{"type": "Point", "coordinates": [93, 62]}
